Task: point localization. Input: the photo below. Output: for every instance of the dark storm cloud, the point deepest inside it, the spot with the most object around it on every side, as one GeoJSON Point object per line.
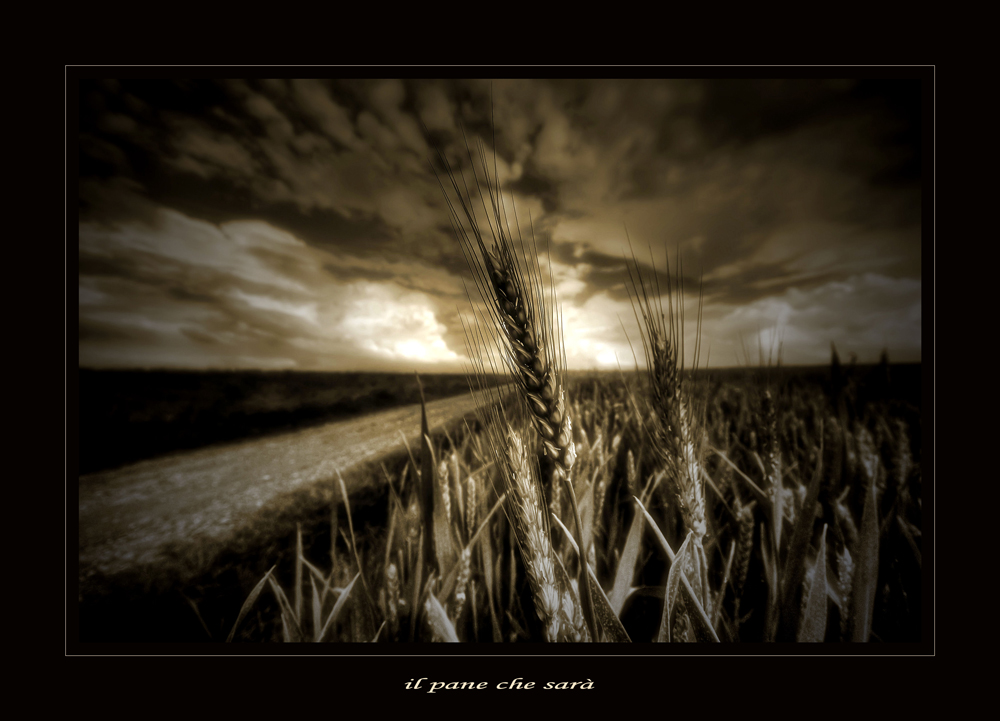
{"type": "Point", "coordinates": [616, 276]}
{"type": "Point", "coordinates": [94, 332]}
{"type": "Point", "coordinates": [532, 182]}
{"type": "Point", "coordinates": [815, 187]}
{"type": "Point", "coordinates": [309, 198]}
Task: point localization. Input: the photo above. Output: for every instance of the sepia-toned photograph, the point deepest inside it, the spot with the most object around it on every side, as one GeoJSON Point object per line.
{"type": "Point", "coordinates": [500, 360]}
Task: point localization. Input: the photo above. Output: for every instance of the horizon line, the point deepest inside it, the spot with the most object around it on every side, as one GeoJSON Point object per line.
{"type": "Point", "coordinates": [166, 369]}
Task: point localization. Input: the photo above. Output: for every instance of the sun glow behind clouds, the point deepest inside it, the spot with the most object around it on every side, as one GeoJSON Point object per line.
{"type": "Point", "coordinates": [395, 325]}
{"type": "Point", "coordinates": [181, 292]}
{"type": "Point", "coordinates": [592, 330]}
{"type": "Point", "coordinates": [796, 202]}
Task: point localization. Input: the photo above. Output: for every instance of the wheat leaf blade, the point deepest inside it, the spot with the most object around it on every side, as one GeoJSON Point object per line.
{"type": "Point", "coordinates": [248, 604]}
{"type": "Point", "coordinates": [449, 581]}
{"type": "Point", "coordinates": [290, 621]}
{"type": "Point", "coordinates": [606, 620]}
{"type": "Point", "coordinates": [445, 553]}
{"type": "Point", "coordinates": [338, 607]}
{"type": "Point", "coordinates": [795, 560]}
{"type": "Point", "coordinates": [814, 622]}
{"type": "Point", "coordinates": [317, 606]}
{"type": "Point", "coordinates": [703, 624]}
{"type": "Point", "coordinates": [438, 618]}
{"type": "Point", "coordinates": [678, 569]}
{"type": "Point", "coordinates": [866, 574]}
{"type": "Point", "coordinates": [298, 571]}
{"type": "Point", "coordinates": [626, 565]}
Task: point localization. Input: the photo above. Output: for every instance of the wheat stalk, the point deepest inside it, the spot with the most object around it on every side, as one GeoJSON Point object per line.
{"type": "Point", "coordinates": [677, 432]}
{"type": "Point", "coordinates": [442, 478]}
{"type": "Point", "coordinates": [631, 475]}
{"type": "Point", "coordinates": [519, 329]}
{"type": "Point", "coordinates": [556, 606]}
{"type": "Point", "coordinates": [392, 602]}
{"type": "Point", "coordinates": [470, 505]}
{"type": "Point", "coordinates": [520, 326]}
{"type": "Point", "coordinates": [845, 579]}
{"type": "Point", "coordinates": [464, 573]}
{"type": "Point", "coordinates": [769, 445]}
{"type": "Point", "coordinates": [744, 546]}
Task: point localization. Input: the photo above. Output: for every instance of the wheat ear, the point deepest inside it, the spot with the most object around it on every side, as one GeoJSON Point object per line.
{"type": "Point", "coordinates": [524, 328]}
{"type": "Point", "coordinates": [392, 602]}
{"type": "Point", "coordinates": [678, 436]}
{"type": "Point", "coordinates": [529, 519]}
{"type": "Point", "coordinates": [523, 325]}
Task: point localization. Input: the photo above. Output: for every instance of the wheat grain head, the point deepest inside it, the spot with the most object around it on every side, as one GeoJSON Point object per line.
{"type": "Point", "coordinates": [678, 433]}
{"type": "Point", "coordinates": [519, 328]}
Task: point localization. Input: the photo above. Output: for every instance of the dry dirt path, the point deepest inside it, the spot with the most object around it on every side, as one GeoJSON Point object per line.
{"type": "Point", "coordinates": [128, 515]}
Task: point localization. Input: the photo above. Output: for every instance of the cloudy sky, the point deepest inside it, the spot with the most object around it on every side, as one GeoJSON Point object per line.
{"type": "Point", "coordinates": [297, 223]}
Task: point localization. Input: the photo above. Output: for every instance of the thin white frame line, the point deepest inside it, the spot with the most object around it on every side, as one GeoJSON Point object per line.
{"type": "Point", "coordinates": [933, 240]}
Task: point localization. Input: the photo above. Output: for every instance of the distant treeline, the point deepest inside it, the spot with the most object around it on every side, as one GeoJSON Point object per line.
{"type": "Point", "coordinates": [126, 416]}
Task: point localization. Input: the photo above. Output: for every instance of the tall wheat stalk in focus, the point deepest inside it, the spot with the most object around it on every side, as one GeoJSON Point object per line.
{"type": "Point", "coordinates": [677, 426]}
{"type": "Point", "coordinates": [518, 330]}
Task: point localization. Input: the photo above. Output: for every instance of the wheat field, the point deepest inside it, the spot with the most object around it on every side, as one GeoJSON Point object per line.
{"type": "Point", "coordinates": [664, 504]}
